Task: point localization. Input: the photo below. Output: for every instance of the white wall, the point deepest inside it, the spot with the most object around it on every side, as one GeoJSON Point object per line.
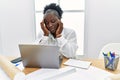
{"type": "Point", "coordinates": [0, 40]}
{"type": "Point", "coordinates": [102, 25]}
{"type": "Point", "coordinates": [17, 24]}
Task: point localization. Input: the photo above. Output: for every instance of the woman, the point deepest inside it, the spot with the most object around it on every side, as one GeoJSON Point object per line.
{"type": "Point", "coordinates": [54, 33]}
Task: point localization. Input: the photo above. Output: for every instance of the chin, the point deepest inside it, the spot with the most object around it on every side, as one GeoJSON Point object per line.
{"type": "Point", "coordinates": [52, 32]}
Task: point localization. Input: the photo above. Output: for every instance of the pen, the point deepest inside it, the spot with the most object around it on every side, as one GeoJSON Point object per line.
{"type": "Point", "coordinates": [104, 54]}
{"type": "Point", "coordinates": [108, 54]}
{"type": "Point", "coordinates": [113, 54]}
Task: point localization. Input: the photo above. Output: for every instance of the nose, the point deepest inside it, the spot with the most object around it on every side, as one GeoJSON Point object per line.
{"type": "Point", "coordinates": [50, 24]}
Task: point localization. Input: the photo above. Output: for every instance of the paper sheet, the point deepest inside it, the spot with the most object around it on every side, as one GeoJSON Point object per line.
{"type": "Point", "coordinates": [50, 74]}
{"type": "Point", "coordinates": [113, 77]}
{"type": "Point", "coordinates": [92, 73]}
{"type": "Point", "coordinates": [78, 63]}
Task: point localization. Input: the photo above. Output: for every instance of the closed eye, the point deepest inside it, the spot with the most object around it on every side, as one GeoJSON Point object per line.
{"type": "Point", "coordinates": [53, 21]}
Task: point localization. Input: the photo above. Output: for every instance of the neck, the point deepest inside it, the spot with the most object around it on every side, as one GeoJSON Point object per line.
{"type": "Point", "coordinates": [54, 35]}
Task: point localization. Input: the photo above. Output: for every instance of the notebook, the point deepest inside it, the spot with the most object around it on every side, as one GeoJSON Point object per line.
{"type": "Point", "coordinates": [36, 55]}
{"type": "Point", "coordinates": [78, 63]}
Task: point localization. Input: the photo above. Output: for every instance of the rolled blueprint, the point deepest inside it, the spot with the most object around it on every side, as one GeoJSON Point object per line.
{"type": "Point", "coordinates": [13, 72]}
{"type": "Point", "coordinates": [113, 77]}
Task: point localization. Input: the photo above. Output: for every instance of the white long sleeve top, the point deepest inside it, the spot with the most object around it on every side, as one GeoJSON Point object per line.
{"type": "Point", "coordinates": [67, 42]}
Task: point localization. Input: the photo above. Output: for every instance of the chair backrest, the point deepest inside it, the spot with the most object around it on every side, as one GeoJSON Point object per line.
{"type": "Point", "coordinates": [113, 47]}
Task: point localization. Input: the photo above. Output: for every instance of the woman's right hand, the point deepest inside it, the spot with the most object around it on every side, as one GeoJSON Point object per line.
{"type": "Point", "coordinates": [45, 30]}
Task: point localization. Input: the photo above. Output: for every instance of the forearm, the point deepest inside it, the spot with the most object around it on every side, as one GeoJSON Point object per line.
{"type": "Point", "coordinates": [44, 40]}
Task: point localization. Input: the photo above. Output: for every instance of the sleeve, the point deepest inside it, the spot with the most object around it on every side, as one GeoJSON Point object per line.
{"type": "Point", "coordinates": [43, 40]}
{"type": "Point", "coordinates": [68, 46]}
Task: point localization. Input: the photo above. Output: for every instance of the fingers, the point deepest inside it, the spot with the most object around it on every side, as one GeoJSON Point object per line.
{"type": "Point", "coordinates": [43, 27]}
{"type": "Point", "coordinates": [60, 28]}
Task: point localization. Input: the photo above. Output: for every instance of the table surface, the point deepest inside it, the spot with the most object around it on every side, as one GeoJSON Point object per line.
{"type": "Point", "coordinates": [99, 63]}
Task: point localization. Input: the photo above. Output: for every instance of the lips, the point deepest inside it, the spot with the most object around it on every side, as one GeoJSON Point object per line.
{"type": "Point", "coordinates": [52, 30]}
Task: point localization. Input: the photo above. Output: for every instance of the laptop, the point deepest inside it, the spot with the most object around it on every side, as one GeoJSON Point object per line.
{"type": "Point", "coordinates": [36, 55]}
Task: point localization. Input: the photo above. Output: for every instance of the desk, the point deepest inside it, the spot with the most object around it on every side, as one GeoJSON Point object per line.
{"type": "Point", "coordinates": [99, 63]}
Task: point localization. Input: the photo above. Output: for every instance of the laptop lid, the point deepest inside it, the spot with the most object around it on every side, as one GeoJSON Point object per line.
{"type": "Point", "coordinates": [36, 55]}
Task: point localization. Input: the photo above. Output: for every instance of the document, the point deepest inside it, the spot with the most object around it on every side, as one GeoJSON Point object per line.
{"type": "Point", "coordinates": [50, 74]}
{"type": "Point", "coordinates": [93, 73]}
{"type": "Point", "coordinates": [78, 63]}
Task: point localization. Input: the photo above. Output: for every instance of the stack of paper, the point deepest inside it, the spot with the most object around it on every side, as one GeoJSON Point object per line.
{"type": "Point", "coordinates": [78, 63]}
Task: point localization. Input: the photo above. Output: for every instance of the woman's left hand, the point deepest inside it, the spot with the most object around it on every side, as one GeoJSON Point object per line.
{"type": "Point", "coordinates": [59, 29]}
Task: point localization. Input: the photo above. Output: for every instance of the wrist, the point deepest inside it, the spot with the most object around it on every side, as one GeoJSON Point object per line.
{"type": "Point", "coordinates": [59, 35]}
{"type": "Point", "coordinates": [46, 34]}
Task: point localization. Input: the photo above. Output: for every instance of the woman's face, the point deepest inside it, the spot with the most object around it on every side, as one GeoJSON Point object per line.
{"type": "Point", "coordinates": [51, 22]}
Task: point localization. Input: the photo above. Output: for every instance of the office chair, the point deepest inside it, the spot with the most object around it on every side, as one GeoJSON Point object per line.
{"type": "Point", "coordinates": [113, 47]}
